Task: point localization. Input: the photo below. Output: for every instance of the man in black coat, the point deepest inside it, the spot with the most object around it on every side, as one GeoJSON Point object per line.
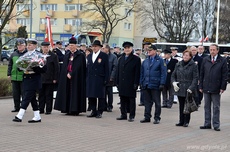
{"type": "Point", "coordinates": [71, 94]}
{"type": "Point", "coordinates": [97, 78]}
{"type": "Point", "coordinates": [30, 84]}
{"type": "Point", "coordinates": [128, 77]}
{"type": "Point", "coordinates": [112, 76]}
{"type": "Point", "coordinates": [213, 82]}
{"type": "Point", "coordinates": [200, 52]}
{"type": "Point", "coordinates": [49, 79]}
{"type": "Point", "coordinates": [168, 91]}
{"type": "Point", "coordinates": [198, 60]}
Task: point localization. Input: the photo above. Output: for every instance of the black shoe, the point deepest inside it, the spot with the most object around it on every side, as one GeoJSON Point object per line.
{"type": "Point", "coordinates": [41, 112]}
{"type": "Point", "coordinates": [205, 127]}
{"type": "Point", "coordinates": [217, 129]}
{"type": "Point", "coordinates": [109, 110]}
{"type": "Point", "coordinates": [48, 113]}
{"type": "Point", "coordinates": [179, 124]}
{"type": "Point", "coordinates": [88, 109]}
{"type": "Point", "coordinates": [163, 106]}
{"type": "Point", "coordinates": [99, 116]}
{"type": "Point", "coordinates": [92, 115]}
{"type": "Point", "coordinates": [141, 104]}
{"type": "Point", "coordinates": [122, 118]}
{"type": "Point", "coordinates": [15, 110]}
{"type": "Point", "coordinates": [118, 103]}
{"type": "Point", "coordinates": [156, 122]}
{"type": "Point", "coordinates": [16, 119]}
{"type": "Point", "coordinates": [144, 120]}
{"type": "Point", "coordinates": [185, 125]}
{"type": "Point", "coordinates": [174, 102]}
{"type": "Point", "coordinates": [34, 121]}
{"type": "Point", "coordinates": [131, 119]}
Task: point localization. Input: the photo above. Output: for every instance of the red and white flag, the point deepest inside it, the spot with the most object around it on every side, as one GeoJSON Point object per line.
{"type": "Point", "coordinates": [48, 36]}
{"type": "Point", "coordinates": [204, 39]}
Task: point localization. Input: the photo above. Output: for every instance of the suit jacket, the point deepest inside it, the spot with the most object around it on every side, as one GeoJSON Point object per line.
{"type": "Point", "coordinates": [198, 60]}
{"type": "Point", "coordinates": [97, 75]}
{"type": "Point", "coordinates": [213, 77]}
{"type": "Point", "coordinates": [52, 71]}
{"type": "Point", "coordinates": [170, 69]}
{"type": "Point", "coordinates": [128, 75]}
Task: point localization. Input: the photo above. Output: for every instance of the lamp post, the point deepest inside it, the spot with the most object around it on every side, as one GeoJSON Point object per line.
{"type": "Point", "coordinates": [31, 8]}
{"type": "Point", "coordinates": [217, 21]}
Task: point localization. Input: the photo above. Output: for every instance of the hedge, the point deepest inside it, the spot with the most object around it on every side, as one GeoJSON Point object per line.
{"type": "Point", "coordinates": [5, 87]}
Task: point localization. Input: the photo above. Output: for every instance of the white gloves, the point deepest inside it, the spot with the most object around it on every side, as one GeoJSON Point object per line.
{"type": "Point", "coordinates": [175, 86]}
{"type": "Point", "coordinates": [189, 91]}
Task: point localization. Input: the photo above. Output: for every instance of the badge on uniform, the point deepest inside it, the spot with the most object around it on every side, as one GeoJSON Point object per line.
{"type": "Point", "coordinates": [71, 58]}
{"type": "Point", "coordinates": [169, 70]}
{"type": "Point", "coordinates": [99, 60]}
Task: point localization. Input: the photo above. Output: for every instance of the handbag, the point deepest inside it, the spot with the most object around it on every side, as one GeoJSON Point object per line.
{"type": "Point", "coordinates": [190, 105]}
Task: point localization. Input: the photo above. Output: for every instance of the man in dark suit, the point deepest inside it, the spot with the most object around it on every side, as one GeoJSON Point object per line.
{"type": "Point", "coordinates": [198, 60]}
{"type": "Point", "coordinates": [200, 52]}
{"type": "Point", "coordinates": [128, 77]}
{"type": "Point", "coordinates": [59, 52]}
{"type": "Point", "coordinates": [31, 83]}
{"type": "Point", "coordinates": [97, 78]}
{"type": "Point", "coordinates": [167, 91]}
{"type": "Point", "coordinates": [213, 82]}
{"type": "Point", "coordinates": [49, 79]}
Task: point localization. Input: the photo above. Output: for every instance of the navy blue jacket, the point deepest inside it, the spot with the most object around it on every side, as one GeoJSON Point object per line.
{"type": "Point", "coordinates": [153, 74]}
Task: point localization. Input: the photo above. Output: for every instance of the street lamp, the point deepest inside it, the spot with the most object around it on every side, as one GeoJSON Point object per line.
{"type": "Point", "coordinates": [31, 8]}
{"type": "Point", "coordinates": [217, 21]}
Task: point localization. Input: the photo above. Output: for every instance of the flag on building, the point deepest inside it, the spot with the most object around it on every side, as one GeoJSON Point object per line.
{"type": "Point", "coordinates": [48, 36]}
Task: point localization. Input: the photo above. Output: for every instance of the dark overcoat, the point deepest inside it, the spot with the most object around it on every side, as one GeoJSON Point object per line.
{"type": "Point", "coordinates": [170, 68]}
{"type": "Point", "coordinates": [187, 76]}
{"type": "Point", "coordinates": [73, 99]}
{"type": "Point", "coordinates": [128, 75]}
{"type": "Point", "coordinates": [52, 71]}
{"type": "Point", "coordinates": [198, 60]}
{"type": "Point", "coordinates": [213, 77]}
{"type": "Point", "coordinates": [97, 75]}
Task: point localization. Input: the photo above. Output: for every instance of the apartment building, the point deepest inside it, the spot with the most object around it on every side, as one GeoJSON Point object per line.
{"type": "Point", "coordinates": [66, 19]}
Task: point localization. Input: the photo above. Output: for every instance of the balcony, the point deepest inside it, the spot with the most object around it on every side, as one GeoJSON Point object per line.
{"type": "Point", "coordinates": [26, 13]}
{"type": "Point", "coordinates": [67, 27]}
{"type": "Point", "coordinates": [68, 1]}
{"type": "Point", "coordinates": [42, 27]}
{"type": "Point", "coordinates": [51, 13]}
{"type": "Point", "coordinates": [44, 1]}
{"type": "Point", "coordinates": [75, 13]}
{"type": "Point", "coordinates": [14, 27]}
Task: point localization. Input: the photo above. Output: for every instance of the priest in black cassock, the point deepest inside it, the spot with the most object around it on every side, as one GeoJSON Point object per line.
{"type": "Point", "coordinates": [71, 94]}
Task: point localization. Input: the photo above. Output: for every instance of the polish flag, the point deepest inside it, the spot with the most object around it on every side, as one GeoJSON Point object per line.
{"type": "Point", "coordinates": [48, 36]}
{"type": "Point", "coordinates": [204, 39]}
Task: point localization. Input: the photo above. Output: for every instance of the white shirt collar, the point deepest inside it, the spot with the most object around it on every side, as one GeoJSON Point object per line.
{"type": "Point", "coordinates": [95, 55]}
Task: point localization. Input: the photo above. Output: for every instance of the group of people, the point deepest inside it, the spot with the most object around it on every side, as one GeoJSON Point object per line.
{"type": "Point", "coordinates": [90, 73]}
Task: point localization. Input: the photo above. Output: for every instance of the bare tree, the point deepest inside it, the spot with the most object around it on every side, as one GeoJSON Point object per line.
{"type": "Point", "coordinates": [172, 19]}
{"type": "Point", "coordinates": [6, 14]}
{"type": "Point", "coordinates": [224, 26]}
{"type": "Point", "coordinates": [107, 14]}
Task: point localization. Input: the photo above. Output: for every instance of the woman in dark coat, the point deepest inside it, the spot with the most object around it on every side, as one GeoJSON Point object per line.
{"type": "Point", "coordinates": [184, 79]}
{"type": "Point", "coordinates": [71, 94]}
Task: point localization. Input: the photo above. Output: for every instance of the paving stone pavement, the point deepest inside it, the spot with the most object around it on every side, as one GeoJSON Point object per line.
{"type": "Point", "coordinates": [60, 133]}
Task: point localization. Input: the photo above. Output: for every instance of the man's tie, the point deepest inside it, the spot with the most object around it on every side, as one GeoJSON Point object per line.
{"type": "Point", "coordinates": [213, 60]}
{"type": "Point", "coordinates": [167, 61]}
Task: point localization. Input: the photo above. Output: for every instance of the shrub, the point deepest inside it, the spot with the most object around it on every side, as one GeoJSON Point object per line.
{"type": "Point", "coordinates": [5, 87]}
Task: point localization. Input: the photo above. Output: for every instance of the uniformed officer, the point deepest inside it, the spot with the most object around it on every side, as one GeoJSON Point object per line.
{"type": "Point", "coordinates": [31, 83]}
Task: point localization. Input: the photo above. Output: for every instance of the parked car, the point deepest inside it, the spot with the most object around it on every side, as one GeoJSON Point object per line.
{"type": "Point", "coordinates": [6, 55]}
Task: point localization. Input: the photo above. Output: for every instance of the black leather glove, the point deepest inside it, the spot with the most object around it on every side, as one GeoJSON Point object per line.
{"type": "Point", "coordinates": [161, 87]}
{"type": "Point", "coordinates": [135, 87]}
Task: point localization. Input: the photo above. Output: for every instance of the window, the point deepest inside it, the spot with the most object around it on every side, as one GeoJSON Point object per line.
{"type": "Point", "coordinates": [21, 7]}
{"type": "Point", "coordinates": [23, 21]}
{"type": "Point", "coordinates": [69, 7]}
{"type": "Point", "coordinates": [127, 12]}
{"type": "Point", "coordinates": [44, 7]}
{"type": "Point", "coordinates": [127, 26]}
{"type": "Point", "coordinates": [73, 22]}
{"type": "Point", "coordinates": [53, 21]}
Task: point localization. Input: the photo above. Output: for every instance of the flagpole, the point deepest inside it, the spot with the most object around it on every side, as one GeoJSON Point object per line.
{"type": "Point", "coordinates": [217, 22]}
